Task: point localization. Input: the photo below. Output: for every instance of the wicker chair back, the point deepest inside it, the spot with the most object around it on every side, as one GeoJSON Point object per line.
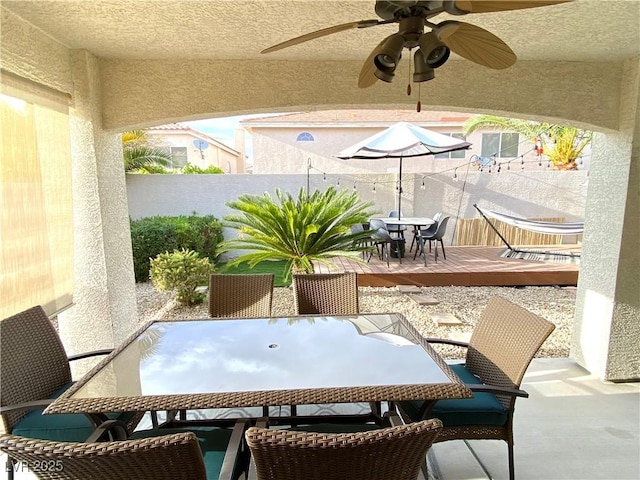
{"type": "Point", "coordinates": [504, 341]}
{"type": "Point", "coordinates": [241, 296]}
{"type": "Point", "coordinates": [390, 453]}
{"type": "Point", "coordinates": [34, 363]}
{"type": "Point", "coordinates": [166, 457]}
{"type": "Point", "coordinates": [326, 293]}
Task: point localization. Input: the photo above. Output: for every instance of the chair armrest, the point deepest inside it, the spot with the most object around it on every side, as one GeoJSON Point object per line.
{"type": "Point", "coordinates": [93, 353]}
{"type": "Point", "coordinates": [33, 405]}
{"type": "Point", "coordinates": [115, 428]}
{"type": "Point", "coordinates": [514, 392]}
{"type": "Point", "coordinates": [393, 418]}
{"type": "Point", "coordinates": [447, 341]}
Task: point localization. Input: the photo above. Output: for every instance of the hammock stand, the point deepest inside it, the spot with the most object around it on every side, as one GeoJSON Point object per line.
{"type": "Point", "coordinates": [551, 228]}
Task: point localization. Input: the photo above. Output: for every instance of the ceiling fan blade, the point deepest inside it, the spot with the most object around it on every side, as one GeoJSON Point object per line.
{"type": "Point", "coordinates": [486, 6]}
{"type": "Point", "coordinates": [475, 44]}
{"type": "Point", "coordinates": [321, 33]}
{"type": "Point", "coordinates": [367, 74]}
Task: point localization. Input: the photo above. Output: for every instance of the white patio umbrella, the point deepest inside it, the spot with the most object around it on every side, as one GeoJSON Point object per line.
{"type": "Point", "coordinates": [402, 140]}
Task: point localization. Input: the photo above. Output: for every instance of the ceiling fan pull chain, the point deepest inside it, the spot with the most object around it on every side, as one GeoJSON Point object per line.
{"type": "Point", "coordinates": [409, 84]}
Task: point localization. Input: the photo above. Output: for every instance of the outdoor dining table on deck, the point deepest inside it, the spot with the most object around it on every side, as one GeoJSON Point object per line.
{"type": "Point", "coordinates": [213, 363]}
{"type": "Point", "coordinates": [418, 223]}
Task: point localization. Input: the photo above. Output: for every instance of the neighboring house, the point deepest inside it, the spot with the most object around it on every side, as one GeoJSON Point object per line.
{"type": "Point", "coordinates": [288, 143]}
{"type": "Point", "coordinates": [188, 145]}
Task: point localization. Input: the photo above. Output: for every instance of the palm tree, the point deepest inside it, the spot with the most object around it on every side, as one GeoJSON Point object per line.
{"type": "Point", "coordinates": [312, 227]}
{"type": "Point", "coordinates": [139, 152]}
{"type": "Point", "coordinates": [561, 144]}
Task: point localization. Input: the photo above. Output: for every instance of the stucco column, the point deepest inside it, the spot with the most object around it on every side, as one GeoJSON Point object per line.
{"type": "Point", "coordinates": [105, 310]}
{"type": "Point", "coordinates": [607, 325]}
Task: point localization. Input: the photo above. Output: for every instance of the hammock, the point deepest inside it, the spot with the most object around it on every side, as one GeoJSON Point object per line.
{"type": "Point", "coordinates": [550, 228]}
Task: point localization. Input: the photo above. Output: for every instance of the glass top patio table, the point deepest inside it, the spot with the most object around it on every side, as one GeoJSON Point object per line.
{"type": "Point", "coordinates": [415, 221]}
{"type": "Point", "coordinates": [213, 363]}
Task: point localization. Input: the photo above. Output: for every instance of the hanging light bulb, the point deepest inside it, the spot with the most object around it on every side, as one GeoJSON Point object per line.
{"type": "Point", "coordinates": [354, 186]}
{"type": "Point", "coordinates": [499, 167]}
{"type": "Point", "coordinates": [509, 165]}
{"type": "Point", "coordinates": [455, 174]}
{"type": "Point", "coordinates": [374, 187]}
{"type": "Point", "coordinates": [338, 182]}
{"type": "Point", "coordinates": [423, 187]}
{"type": "Point", "coordinates": [324, 177]}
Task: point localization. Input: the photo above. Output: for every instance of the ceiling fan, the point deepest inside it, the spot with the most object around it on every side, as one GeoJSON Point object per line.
{"type": "Point", "coordinates": [434, 47]}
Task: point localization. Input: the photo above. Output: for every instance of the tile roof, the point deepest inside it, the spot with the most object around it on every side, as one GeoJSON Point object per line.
{"type": "Point", "coordinates": [362, 117]}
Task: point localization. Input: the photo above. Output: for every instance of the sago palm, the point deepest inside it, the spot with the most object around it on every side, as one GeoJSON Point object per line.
{"type": "Point", "coordinates": [561, 144]}
{"type": "Point", "coordinates": [310, 228]}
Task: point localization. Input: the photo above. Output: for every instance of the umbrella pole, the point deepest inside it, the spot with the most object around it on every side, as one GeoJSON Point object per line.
{"type": "Point", "coordinates": [400, 189]}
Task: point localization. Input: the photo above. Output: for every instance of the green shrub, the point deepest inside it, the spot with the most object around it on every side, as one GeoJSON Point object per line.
{"type": "Point", "coordinates": [191, 169]}
{"type": "Point", "coordinates": [152, 168]}
{"type": "Point", "coordinates": [154, 235]}
{"type": "Point", "coordinates": [182, 270]}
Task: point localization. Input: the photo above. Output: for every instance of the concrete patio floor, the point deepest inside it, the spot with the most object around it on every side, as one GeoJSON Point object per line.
{"type": "Point", "coordinates": [572, 427]}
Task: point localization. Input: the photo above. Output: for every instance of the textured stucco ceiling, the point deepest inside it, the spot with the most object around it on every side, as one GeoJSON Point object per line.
{"type": "Point", "coordinates": [584, 30]}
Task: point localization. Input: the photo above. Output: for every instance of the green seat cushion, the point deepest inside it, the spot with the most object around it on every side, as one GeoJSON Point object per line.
{"type": "Point", "coordinates": [483, 409]}
{"type": "Point", "coordinates": [59, 427]}
{"type": "Point", "coordinates": [213, 444]}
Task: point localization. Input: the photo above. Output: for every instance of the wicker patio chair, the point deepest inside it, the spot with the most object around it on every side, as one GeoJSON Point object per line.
{"type": "Point", "coordinates": [34, 371]}
{"type": "Point", "coordinates": [381, 454]}
{"type": "Point", "coordinates": [326, 293]}
{"type": "Point", "coordinates": [203, 455]}
{"type": "Point", "coordinates": [241, 296]}
{"type": "Point", "coordinates": [503, 343]}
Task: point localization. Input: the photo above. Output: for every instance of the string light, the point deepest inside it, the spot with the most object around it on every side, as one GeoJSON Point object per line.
{"type": "Point", "coordinates": [481, 162]}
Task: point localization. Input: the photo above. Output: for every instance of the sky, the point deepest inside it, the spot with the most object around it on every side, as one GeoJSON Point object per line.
{"type": "Point", "coordinates": [223, 130]}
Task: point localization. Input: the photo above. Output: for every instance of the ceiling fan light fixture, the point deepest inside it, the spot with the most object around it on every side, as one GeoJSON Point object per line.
{"type": "Point", "coordinates": [434, 51]}
{"type": "Point", "coordinates": [452, 9]}
{"type": "Point", "coordinates": [387, 58]}
{"type": "Point", "coordinates": [384, 76]}
{"type": "Point", "coordinates": [422, 72]}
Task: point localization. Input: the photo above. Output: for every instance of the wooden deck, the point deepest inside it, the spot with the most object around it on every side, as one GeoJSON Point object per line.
{"type": "Point", "coordinates": [464, 266]}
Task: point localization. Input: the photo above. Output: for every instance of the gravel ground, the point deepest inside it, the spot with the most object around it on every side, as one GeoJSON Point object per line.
{"type": "Point", "coordinates": [467, 303]}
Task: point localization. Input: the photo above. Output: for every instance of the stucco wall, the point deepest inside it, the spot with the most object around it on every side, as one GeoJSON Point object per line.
{"type": "Point", "coordinates": [608, 301]}
{"type": "Point", "coordinates": [587, 93]}
{"type": "Point", "coordinates": [26, 51]}
{"type": "Point", "coordinates": [526, 194]}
